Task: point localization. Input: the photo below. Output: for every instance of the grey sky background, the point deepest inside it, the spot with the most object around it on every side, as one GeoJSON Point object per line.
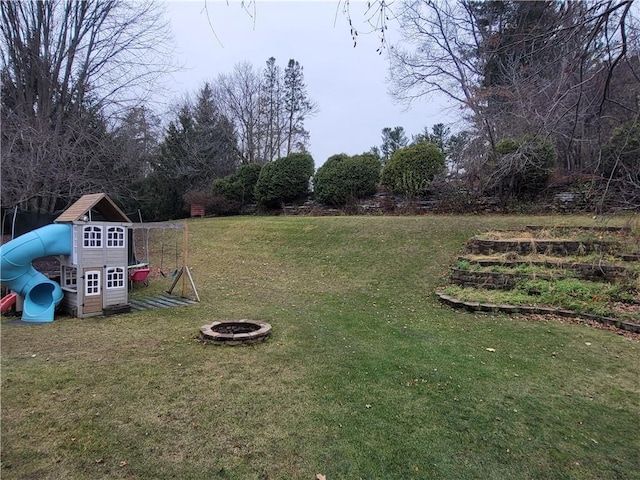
{"type": "Point", "coordinates": [348, 84]}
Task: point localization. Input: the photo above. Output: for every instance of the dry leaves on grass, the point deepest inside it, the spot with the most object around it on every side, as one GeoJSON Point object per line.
{"type": "Point", "coordinates": [581, 321]}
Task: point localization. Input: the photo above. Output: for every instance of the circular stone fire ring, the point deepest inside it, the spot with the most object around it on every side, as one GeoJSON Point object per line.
{"type": "Point", "coordinates": [235, 332]}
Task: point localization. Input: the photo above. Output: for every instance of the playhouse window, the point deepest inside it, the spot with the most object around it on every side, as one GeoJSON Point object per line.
{"type": "Point", "coordinates": [92, 283]}
{"type": "Point", "coordinates": [70, 278]}
{"type": "Point", "coordinates": [115, 277]}
{"type": "Point", "coordinates": [115, 237]}
{"type": "Point", "coordinates": [92, 236]}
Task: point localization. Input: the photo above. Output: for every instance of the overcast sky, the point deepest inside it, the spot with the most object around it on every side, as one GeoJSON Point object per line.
{"type": "Point", "coordinates": [348, 84]}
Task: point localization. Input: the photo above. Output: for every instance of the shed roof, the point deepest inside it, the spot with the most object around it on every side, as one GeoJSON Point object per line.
{"type": "Point", "coordinates": [100, 203]}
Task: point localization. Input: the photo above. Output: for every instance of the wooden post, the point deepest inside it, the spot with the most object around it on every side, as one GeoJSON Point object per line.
{"type": "Point", "coordinates": [185, 253]}
{"type": "Point", "coordinates": [184, 272]}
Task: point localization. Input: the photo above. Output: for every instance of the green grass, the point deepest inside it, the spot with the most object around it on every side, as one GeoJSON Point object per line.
{"type": "Point", "coordinates": [365, 376]}
{"type": "Point", "coordinates": [578, 296]}
{"type": "Point", "coordinates": [558, 281]}
{"type": "Point", "coordinates": [524, 269]}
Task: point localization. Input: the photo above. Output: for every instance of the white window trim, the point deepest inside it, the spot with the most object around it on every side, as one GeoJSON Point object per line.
{"type": "Point", "coordinates": [74, 251]}
{"type": "Point", "coordinates": [121, 280]}
{"type": "Point", "coordinates": [98, 239]}
{"type": "Point", "coordinates": [69, 273]}
{"type": "Point", "coordinates": [86, 283]}
{"type": "Point", "coordinates": [115, 237]}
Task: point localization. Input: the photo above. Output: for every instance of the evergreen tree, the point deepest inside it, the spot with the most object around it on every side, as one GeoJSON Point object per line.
{"type": "Point", "coordinates": [411, 169]}
{"type": "Point", "coordinates": [440, 136]}
{"type": "Point", "coordinates": [199, 146]}
{"type": "Point", "coordinates": [272, 110]}
{"type": "Point", "coordinates": [518, 38]}
{"type": "Point", "coordinates": [297, 107]}
{"type": "Point", "coordinates": [167, 184]}
{"type": "Point", "coordinates": [392, 140]}
{"type": "Point", "coordinates": [68, 70]}
{"type": "Point", "coordinates": [138, 135]}
{"type": "Point", "coordinates": [284, 180]}
{"type": "Point", "coordinates": [343, 179]}
{"type": "Point", "coordinates": [214, 149]}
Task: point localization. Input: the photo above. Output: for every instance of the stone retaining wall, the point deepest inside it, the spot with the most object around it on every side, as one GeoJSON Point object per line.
{"type": "Point", "coordinates": [479, 246]}
{"type": "Point", "coordinates": [585, 271]}
{"type": "Point", "coordinates": [488, 280]}
{"type": "Point", "coordinates": [490, 307]}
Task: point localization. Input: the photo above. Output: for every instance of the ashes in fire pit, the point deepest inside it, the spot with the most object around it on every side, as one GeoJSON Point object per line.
{"type": "Point", "coordinates": [235, 332]}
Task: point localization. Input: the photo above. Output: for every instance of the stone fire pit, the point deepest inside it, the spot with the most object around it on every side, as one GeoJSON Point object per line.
{"type": "Point", "coordinates": [235, 332]}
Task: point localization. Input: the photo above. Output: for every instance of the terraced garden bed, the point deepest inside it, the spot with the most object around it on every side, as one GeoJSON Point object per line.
{"type": "Point", "coordinates": [559, 241]}
{"type": "Point", "coordinates": [495, 271]}
{"type": "Point", "coordinates": [593, 273]}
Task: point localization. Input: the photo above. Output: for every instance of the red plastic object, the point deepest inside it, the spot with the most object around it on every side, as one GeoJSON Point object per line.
{"type": "Point", "coordinates": [7, 302]}
{"type": "Point", "coordinates": [140, 275]}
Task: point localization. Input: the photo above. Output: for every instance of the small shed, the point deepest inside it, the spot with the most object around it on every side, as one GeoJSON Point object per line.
{"type": "Point", "coordinates": [94, 277]}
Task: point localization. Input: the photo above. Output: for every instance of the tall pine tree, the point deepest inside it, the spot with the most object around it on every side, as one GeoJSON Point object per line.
{"type": "Point", "coordinates": [215, 152]}
{"type": "Point", "coordinates": [272, 110]}
{"type": "Point", "coordinates": [199, 146]}
{"type": "Point", "coordinates": [297, 106]}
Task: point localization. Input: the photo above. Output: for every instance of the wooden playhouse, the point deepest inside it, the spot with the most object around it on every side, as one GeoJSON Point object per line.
{"type": "Point", "coordinates": [95, 277]}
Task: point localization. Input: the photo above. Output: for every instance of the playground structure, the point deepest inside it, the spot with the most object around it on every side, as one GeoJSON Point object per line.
{"type": "Point", "coordinates": [161, 248]}
{"type": "Point", "coordinates": [92, 242]}
{"type": "Point", "coordinates": [41, 295]}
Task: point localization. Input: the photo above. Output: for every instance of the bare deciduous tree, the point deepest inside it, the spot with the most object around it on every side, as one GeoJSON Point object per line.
{"type": "Point", "coordinates": [68, 69]}
{"type": "Point", "coordinates": [267, 109]}
{"type": "Point", "coordinates": [238, 95]}
{"type": "Point", "coordinates": [548, 70]}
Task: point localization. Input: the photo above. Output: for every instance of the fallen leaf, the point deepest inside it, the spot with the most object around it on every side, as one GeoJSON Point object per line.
{"type": "Point", "coordinates": [123, 464]}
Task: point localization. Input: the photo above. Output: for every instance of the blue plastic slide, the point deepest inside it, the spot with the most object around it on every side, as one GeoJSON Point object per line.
{"type": "Point", "coordinates": [41, 295]}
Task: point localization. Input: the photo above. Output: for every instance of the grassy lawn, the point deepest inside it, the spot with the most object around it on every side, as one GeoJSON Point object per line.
{"type": "Point", "coordinates": [365, 376]}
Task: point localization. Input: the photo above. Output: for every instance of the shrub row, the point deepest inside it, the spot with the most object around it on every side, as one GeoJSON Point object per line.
{"type": "Point", "coordinates": [342, 179]}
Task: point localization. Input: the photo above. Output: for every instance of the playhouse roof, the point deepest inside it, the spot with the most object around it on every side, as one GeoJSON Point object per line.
{"type": "Point", "coordinates": [98, 202]}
